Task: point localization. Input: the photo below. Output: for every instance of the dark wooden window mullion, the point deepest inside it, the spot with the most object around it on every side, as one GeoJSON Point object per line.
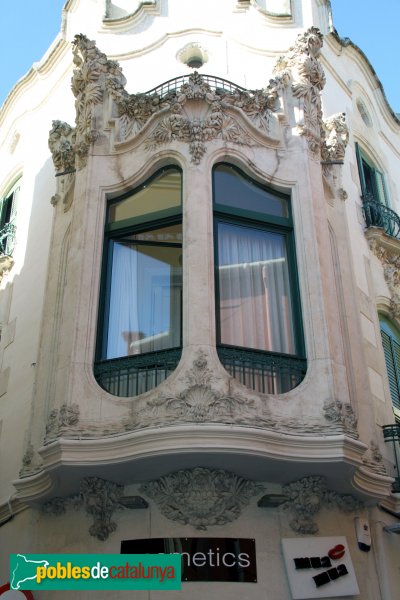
{"type": "Point", "coordinates": [395, 348]}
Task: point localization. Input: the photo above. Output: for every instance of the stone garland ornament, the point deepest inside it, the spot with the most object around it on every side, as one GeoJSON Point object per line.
{"type": "Point", "coordinates": [307, 496]}
{"type": "Point", "coordinates": [391, 270]}
{"type": "Point", "coordinates": [101, 499]}
{"type": "Point", "coordinates": [201, 497]}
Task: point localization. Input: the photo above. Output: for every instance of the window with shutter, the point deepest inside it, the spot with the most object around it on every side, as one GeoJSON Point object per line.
{"type": "Point", "coordinates": [391, 348]}
{"type": "Point", "coordinates": [8, 213]}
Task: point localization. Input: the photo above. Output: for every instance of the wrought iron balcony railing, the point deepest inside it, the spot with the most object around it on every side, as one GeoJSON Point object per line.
{"type": "Point", "coordinates": [7, 239]}
{"type": "Point", "coordinates": [379, 215]}
{"type": "Point", "coordinates": [134, 375]}
{"type": "Point", "coordinates": [391, 433]}
{"type": "Point", "coordinates": [217, 84]}
{"type": "Point", "coordinates": [264, 372]}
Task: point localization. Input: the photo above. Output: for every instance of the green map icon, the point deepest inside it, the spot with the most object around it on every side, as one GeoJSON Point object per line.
{"type": "Point", "coordinates": [23, 569]}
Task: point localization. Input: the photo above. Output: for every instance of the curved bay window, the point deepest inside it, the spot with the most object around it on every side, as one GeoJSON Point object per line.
{"type": "Point", "coordinates": [259, 331]}
{"type": "Point", "coordinates": [139, 332]}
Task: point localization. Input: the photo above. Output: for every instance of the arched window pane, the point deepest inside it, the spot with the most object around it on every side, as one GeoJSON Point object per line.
{"type": "Point", "coordinates": [139, 336]}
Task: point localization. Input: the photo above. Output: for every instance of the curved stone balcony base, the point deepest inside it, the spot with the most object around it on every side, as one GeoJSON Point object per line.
{"type": "Point", "coordinates": [256, 454]}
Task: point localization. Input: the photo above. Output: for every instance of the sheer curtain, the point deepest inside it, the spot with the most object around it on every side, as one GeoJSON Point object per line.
{"type": "Point", "coordinates": [254, 290]}
{"type": "Point", "coordinates": [144, 308]}
{"type": "Point", "coordinates": [123, 318]}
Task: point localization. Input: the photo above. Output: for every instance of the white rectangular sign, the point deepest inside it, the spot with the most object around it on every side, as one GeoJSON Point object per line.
{"type": "Point", "coordinates": [319, 567]}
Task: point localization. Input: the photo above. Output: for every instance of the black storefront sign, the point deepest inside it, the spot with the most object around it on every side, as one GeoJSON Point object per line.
{"type": "Point", "coordinates": [204, 559]}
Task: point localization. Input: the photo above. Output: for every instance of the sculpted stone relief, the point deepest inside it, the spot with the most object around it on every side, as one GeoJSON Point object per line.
{"type": "Point", "coordinates": [100, 498]}
{"type": "Point", "coordinates": [201, 497]}
{"type": "Point", "coordinates": [195, 397]}
{"type": "Point", "coordinates": [95, 75]}
{"type": "Point", "coordinates": [342, 413]}
{"type": "Point", "coordinates": [391, 269]}
{"type": "Point", "coordinates": [61, 419]}
{"type": "Point", "coordinates": [307, 496]}
{"type": "Point", "coordinates": [180, 123]}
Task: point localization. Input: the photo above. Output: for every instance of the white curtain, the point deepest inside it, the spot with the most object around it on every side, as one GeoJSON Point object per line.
{"type": "Point", "coordinates": [144, 310]}
{"type": "Point", "coordinates": [255, 304]}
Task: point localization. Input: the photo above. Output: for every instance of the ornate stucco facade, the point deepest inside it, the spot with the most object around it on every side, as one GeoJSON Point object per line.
{"type": "Point", "coordinates": [271, 89]}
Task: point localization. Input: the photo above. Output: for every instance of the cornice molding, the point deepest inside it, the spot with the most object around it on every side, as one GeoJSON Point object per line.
{"type": "Point", "coordinates": [119, 24]}
{"type": "Point", "coordinates": [11, 508]}
{"type": "Point", "coordinates": [338, 44]}
{"type": "Point", "coordinates": [59, 48]}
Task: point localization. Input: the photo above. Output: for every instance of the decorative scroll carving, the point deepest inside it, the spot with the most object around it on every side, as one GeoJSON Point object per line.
{"type": "Point", "coordinates": [65, 417]}
{"type": "Point", "coordinates": [391, 269]}
{"type": "Point", "coordinates": [197, 402]}
{"type": "Point", "coordinates": [336, 138]}
{"type": "Point", "coordinates": [196, 397]}
{"type": "Point", "coordinates": [101, 498]}
{"type": "Point", "coordinates": [181, 124]}
{"type": "Point", "coordinates": [201, 497]}
{"type": "Point", "coordinates": [307, 496]}
{"type": "Point", "coordinates": [302, 67]}
{"type": "Point", "coordinates": [342, 413]}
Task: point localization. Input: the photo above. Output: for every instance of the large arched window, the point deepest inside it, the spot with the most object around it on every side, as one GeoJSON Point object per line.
{"type": "Point", "coordinates": [259, 330]}
{"type": "Point", "coordinates": [139, 331]}
{"type": "Point", "coordinates": [391, 347]}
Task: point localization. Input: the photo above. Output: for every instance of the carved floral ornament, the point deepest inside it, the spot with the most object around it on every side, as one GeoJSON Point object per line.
{"type": "Point", "coordinates": [196, 397]}
{"type": "Point", "coordinates": [179, 117]}
{"type": "Point", "coordinates": [391, 269]}
{"type": "Point", "coordinates": [201, 498]}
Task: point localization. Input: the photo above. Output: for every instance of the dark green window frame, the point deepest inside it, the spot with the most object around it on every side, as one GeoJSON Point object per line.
{"type": "Point", "coordinates": [262, 370]}
{"type": "Point", "coordinates": [390, 335]}
{"type": "Point", "coordinates": [127, 376]}
{"type": "Point", "coordinates": [8, 213]}
{"type": "Point", "coordinates": [376, 206]}
{"type": "Point", "coordinates": [373, 186]}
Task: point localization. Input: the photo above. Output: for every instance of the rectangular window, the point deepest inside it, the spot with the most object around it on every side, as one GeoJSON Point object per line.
{"type": "Point", "coordinates": [254, 291]}
{"type": "Point", "coordinates": [8, 213]}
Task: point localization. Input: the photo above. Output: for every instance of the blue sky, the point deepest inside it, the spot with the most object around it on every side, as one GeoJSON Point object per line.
{"type": "Point", "coordinates": [29, 26]}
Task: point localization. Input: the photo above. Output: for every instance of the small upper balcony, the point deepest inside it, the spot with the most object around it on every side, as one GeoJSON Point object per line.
{"type": "Point", "coordinates": [377, 214]}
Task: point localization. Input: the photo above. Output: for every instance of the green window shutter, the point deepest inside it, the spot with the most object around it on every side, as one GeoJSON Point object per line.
{"type": "Point", "coordinates": [361, 169]}
{"type": "Point", "coordinates": [392, 358]}
{"type": "Point", "coordinates": [382, 195]}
